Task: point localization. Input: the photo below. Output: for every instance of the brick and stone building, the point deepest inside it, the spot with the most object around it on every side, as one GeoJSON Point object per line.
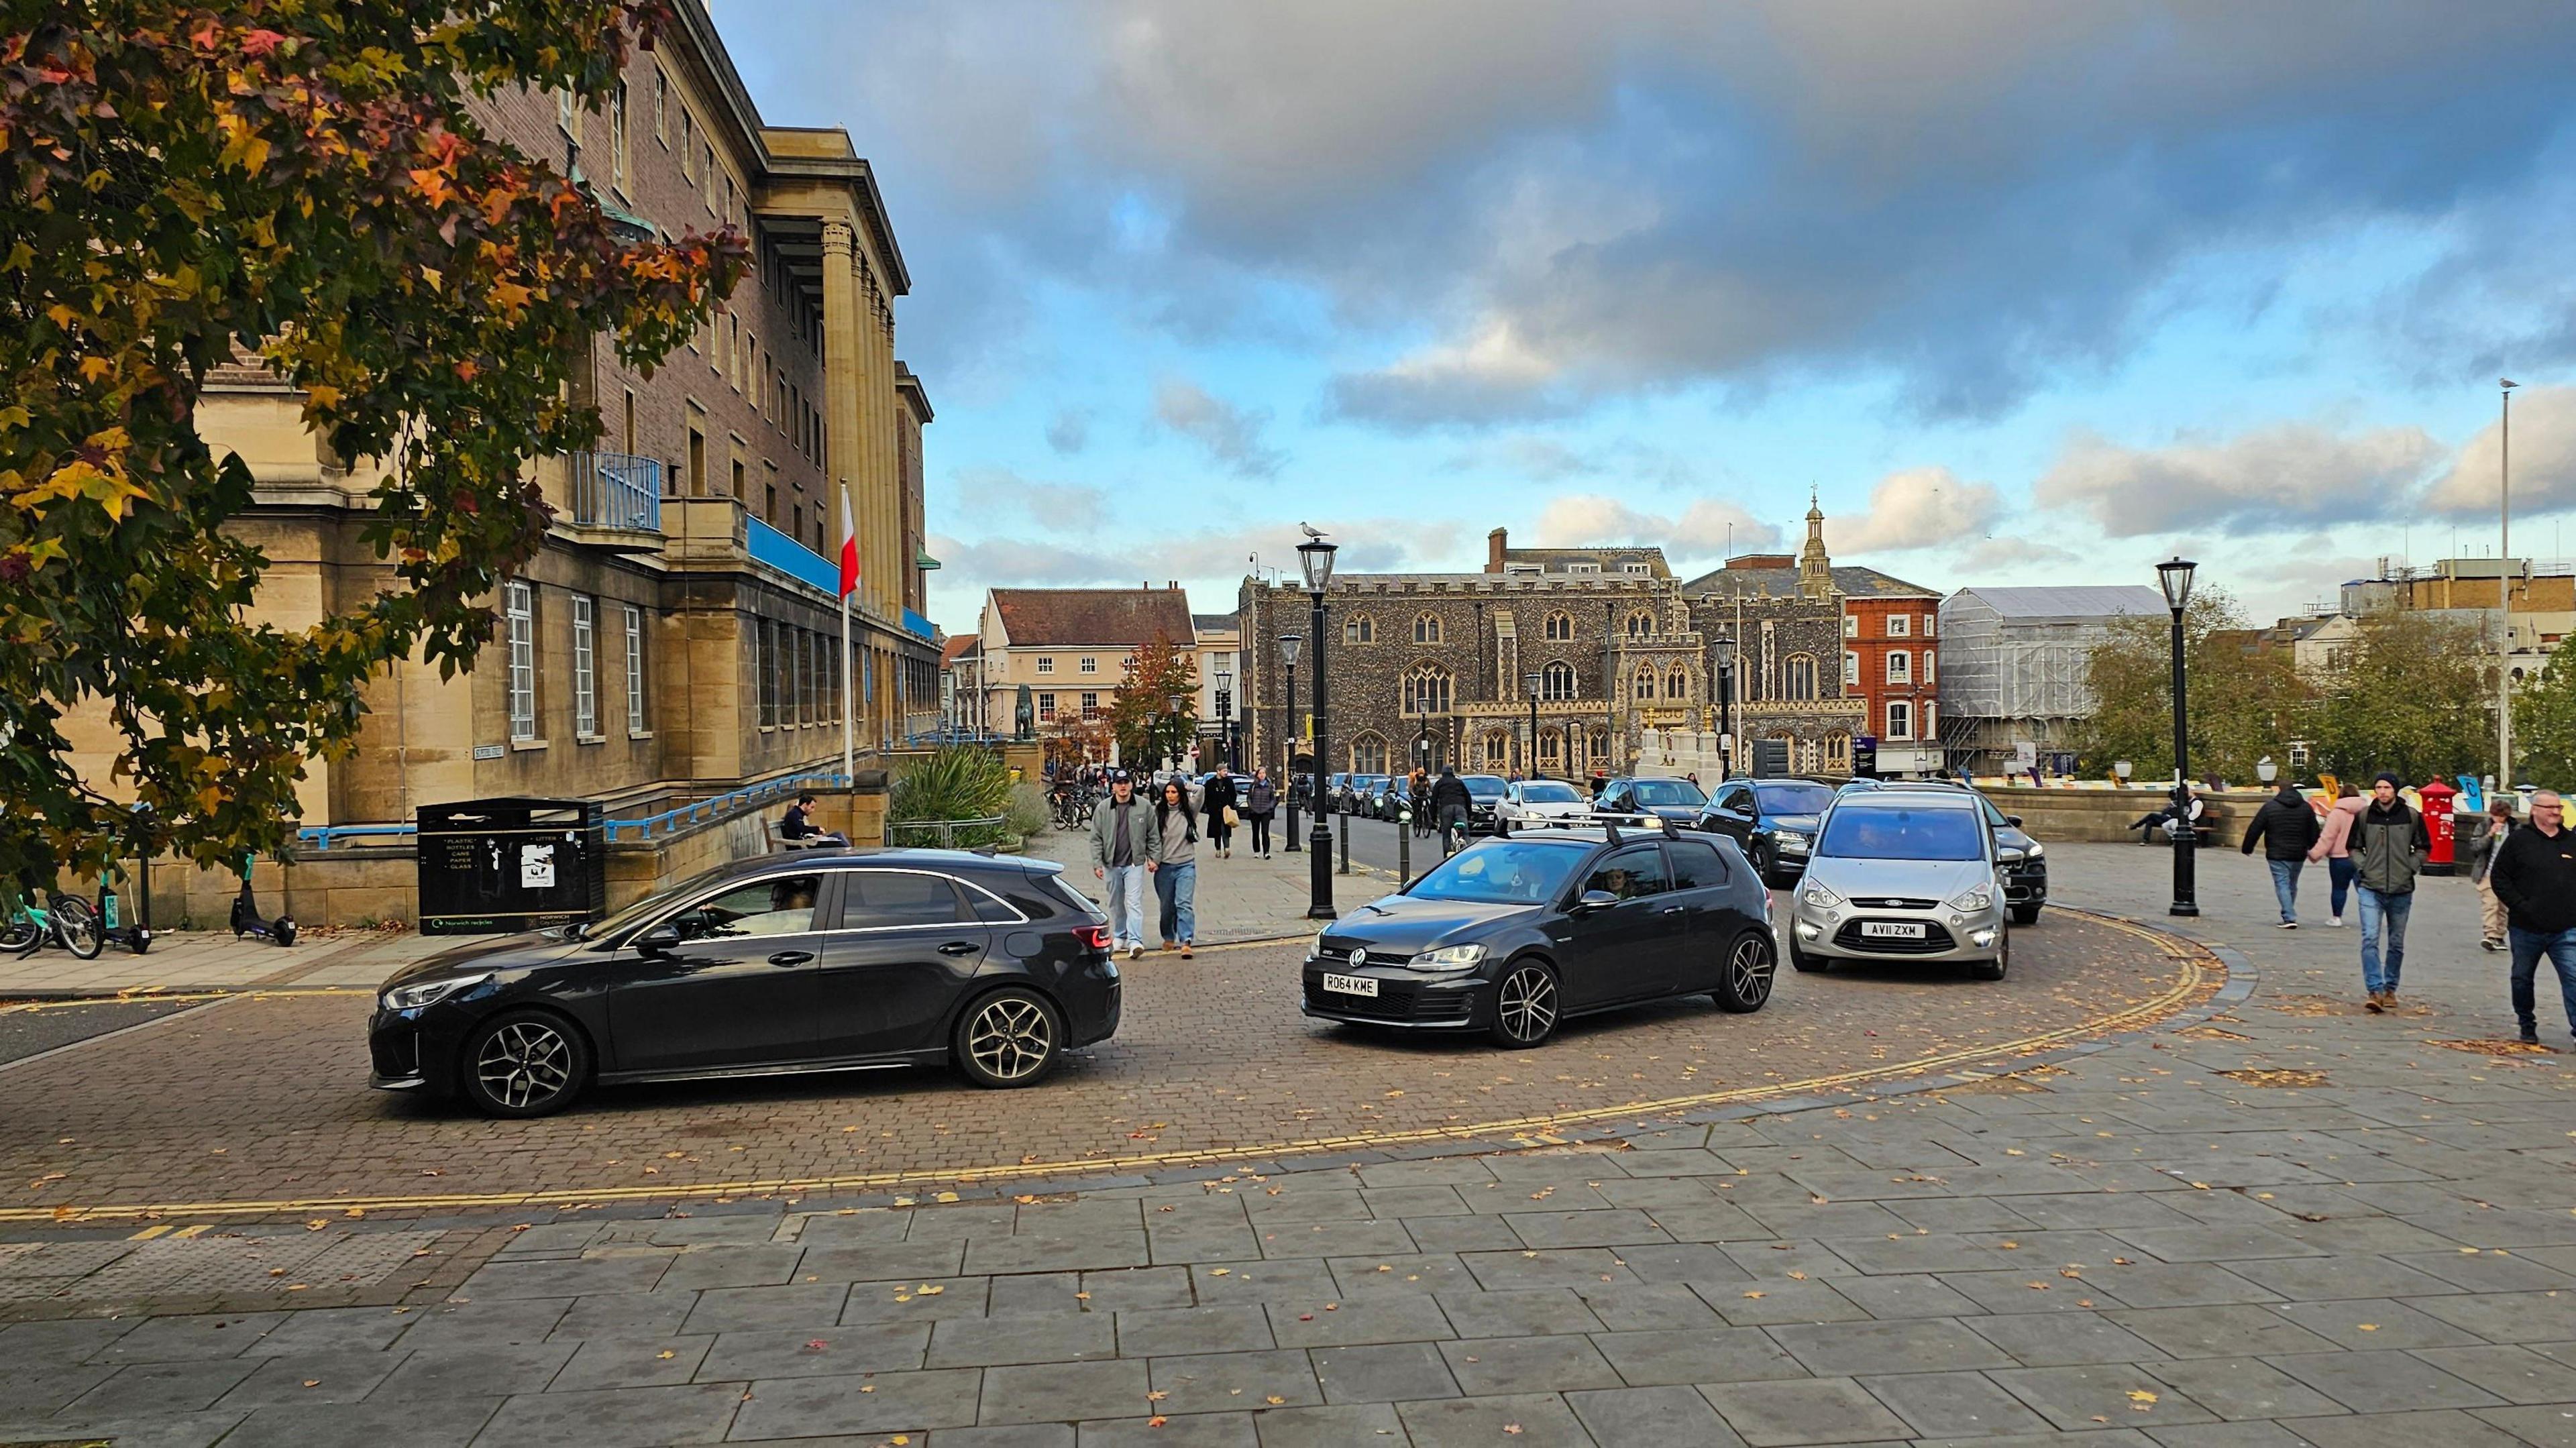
{"type": "Point", "coordinates": [1628, 662]}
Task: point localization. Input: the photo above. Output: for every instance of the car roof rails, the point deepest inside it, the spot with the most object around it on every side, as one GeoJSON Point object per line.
{"type": "Point", "coordinates": [1672, 831]}
{"type": "Point", "coordinates": [1610, 828]}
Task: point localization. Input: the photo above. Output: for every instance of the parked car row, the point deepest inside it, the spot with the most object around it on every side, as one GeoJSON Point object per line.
{"type": "Point", "coordinates": [996, 965]}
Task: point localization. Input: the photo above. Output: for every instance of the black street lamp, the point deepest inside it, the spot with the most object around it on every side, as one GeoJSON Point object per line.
{"type": "Point", "coordinates": [1225, 715]}
{"type": "Point", "coordinates": [1531, 680]}
{"type": "Point", "coordinates": [1288, 643]}
{"type": "Point", "coordinates": [1724, 644]}
{"type": "Point", "coordinates": [1172, 704]}
{"type": "Point", "coordinates": [1315, 556]}
{"type": "Point", "coordinates": [2174, 576]}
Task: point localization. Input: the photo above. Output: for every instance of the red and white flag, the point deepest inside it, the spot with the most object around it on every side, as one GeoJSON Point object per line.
{"type": "Point", "coordinates": [849, 547]}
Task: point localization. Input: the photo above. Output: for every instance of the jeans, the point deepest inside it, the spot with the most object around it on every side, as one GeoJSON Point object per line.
{"type": "Point", "coordinates": [1220, 834]}
{"type": "Point", "coordinates": [1176, 886]}
{"type": "Point", "coordinates": [2383, 913]}
{"type": "Point", "coordinates": [2528, 947]}
{"type": "Point", "coordinates": [2339, 871]}
{"type": "Point", "coordinates": [2285, 888]}
{"type": "Point", "coordinates": [1126, 905]}
{"type": "Point", "coordinates": [1260, 832]}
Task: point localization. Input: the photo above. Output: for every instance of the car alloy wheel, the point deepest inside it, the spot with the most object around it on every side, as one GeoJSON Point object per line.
{"type": "Point", "coordinates": [527, 1063]}
{"type": "Point", "coordinates": [1007, 1039]}
{"type": "Point", "coordinates": [1750, 968]}
{"type": "Point", "coordinates": [1525, 1005]}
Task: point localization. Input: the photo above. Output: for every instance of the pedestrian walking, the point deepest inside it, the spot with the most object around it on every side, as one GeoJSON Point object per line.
{"type": "Point", "coordinates": [1126, 842]}
{"type": "Point", "coordinates": [2535, 876]}
{"type": "Point", "coordinates": [1450, 803]}
{"type": "Point", "coordinates": [1260, 801]}
{"type": "Point", "coordinates": [2334, 846]}
{"type": "Point", "coordinates": [2493, 918]}
{"type": "Point", "coordinates": [2287, 829]}
{"type": "Point", "coordinates": [1176, 876]}
{"type": "Point", "coordinates": [1218, 799]}
{"type": "Point", "coordinates": [2389, 843]}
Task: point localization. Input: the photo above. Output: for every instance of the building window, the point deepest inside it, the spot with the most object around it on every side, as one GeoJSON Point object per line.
{"type": "Point", "coordinates": [1927, 666]}
{"type": "Point", "coordinates": [1368, 755]}
{"type": "Point", "coordinates": [1646, 568]}
{"type": "Point", "coordinates": [519, 604]}
{"type": "Point", "coordinates": [1851, 625]}
{"type": "Point", "coordinates": [1494, 751]}
{"type": "Point", "coordinates": [1931, 623]}
{"type": "Point", "coordinates": [1677, 683]}
{"type": "Point", "coordinates": [1560, 627]}
{"type": "Point", "coordinates": [634, 669]}
{"type": "Point", "coordinates": [1900, 667]}
{"type": "Point", "coordinates": [1426, 690]}
{"type": "Point", "coordinates": [1645, 684]}
{"type": "Point", "coordinates": [1426, 629]}
{"type": "Point", "coordinates": [1359, 629]}
{"type": "Point", "coordinates": [1837, 753]}
{"type": "Point", "coordinates": [1551, 749]}
{"type": "Point", "coordinates": [1090, 664]}
{"type": "Point", "coordinates": [1557, 682]}
{"type": "Point", "coordinates": [688, 146]}
{"type": "Point", "coordinates": [1091, 706]}
{"type": "Point", "coordinates": [1897, 624]}
{"type": "Point", "coordinates": [1045, 665]}
{"type": "Point", "coordinates": [1046, 708]}
{"type": "Point", "coordinates": [1931, 719]}
{"type": "Point", "coordinates": [1641, 625]}
{"type": "Point", "coordinates": [617, 135]}
{"type": "Point", "coordinates": [1851, 670]}
{"type": "Point", "coordinates": [585, 667]}
{"type": "Point", "coordinates": [661, 107]}
{"type": "Point", "coordinates": [1801, 677]}
{"type": "Point", "coordinates": [1900, 719]}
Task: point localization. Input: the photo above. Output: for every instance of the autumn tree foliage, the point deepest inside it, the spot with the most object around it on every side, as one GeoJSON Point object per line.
{"type": "Point", "coordinates": [303, 183]}
{"type": "Point", "coordinates": [1141, 717]}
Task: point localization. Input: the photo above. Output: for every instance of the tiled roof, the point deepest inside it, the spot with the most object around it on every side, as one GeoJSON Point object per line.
{"type": "Point", "coordinates": [1125, 617]}
{"type": "Point", "coordinates": [960, 647]}
{"type": "Point", "coordinates": [1853, 580]}
{"type": "Point", "coordinates": [1215, 622]}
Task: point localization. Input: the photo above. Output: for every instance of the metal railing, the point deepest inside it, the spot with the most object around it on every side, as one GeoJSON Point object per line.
{"type": "Point", "coordinates": [946, 829]}
{"type": "Point", "coordinates": [616, 490]}
{"type": "Point", "coordinates": [660, 826]}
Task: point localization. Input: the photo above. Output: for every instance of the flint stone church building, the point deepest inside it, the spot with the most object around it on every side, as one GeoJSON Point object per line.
{"type": "Point", "coordinates": [1442, 668]}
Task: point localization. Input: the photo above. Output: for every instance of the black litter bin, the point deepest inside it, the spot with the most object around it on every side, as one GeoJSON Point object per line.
{"type": "Point", "coordinates": [494, 866]}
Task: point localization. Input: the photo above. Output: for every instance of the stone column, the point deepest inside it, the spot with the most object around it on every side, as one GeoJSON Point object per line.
{"type": "Point", "coordinates": [844, 354]}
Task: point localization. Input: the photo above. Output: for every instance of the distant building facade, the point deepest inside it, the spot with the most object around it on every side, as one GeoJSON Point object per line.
{"type": "Point", "coordinates": [1068, 648]}
{"type": "Point", "coordinates": [2014, 666]}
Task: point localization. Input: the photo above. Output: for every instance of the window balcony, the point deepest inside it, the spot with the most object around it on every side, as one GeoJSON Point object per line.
{"type": "Point", "coordinates": [616, 499]}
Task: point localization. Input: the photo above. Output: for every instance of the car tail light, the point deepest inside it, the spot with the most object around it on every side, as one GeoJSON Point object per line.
{"type": "Point", "coordinates": [1093, 937]}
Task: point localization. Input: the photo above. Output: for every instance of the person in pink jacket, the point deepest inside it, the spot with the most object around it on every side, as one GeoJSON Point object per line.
{"type": "Point", "coordinates": [2334, 847]}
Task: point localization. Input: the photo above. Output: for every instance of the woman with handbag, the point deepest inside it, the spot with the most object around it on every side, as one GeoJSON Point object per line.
{"type": "Point", "coordinates": [1218, 798]}
{"type": "Point", "coordinates": [1260, 801]}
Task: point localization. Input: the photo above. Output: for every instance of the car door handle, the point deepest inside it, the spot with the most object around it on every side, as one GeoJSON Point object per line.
{"type": "Point", "coordinates": [958, 947]}
{"type": "Point", "coordinates": [791, 957]}
{"type": "Point", "coordinates": [1671, 910]}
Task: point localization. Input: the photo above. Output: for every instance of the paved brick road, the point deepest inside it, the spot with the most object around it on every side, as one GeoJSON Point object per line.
{"type": "Point", "coordinates": [2291, 1223]}
{"type": "Point", "coordinates": [264, 1099]}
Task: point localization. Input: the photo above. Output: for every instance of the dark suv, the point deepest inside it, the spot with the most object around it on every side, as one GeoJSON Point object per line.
{"type": "Point", "coordinates": [1510, 936]}
{"type": "Point", "coordinates": [1772, 820]}
{"type": "Point", "coordinates": [814, 961]}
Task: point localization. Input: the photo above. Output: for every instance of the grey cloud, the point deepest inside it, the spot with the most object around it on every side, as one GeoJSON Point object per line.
{"type": "Point", "coordinates": [1231, 435]}
{"type": "Point", "coordinates": [1709, 528]}
{"type": "Point", "coordinates": [1069, 432]}
{"type": "Point", "coordinates": [2289, 475]}
{"type": "Point", "coordinates": [1205, 560]}
{"type": "Point", "coordinates": [1073, 506]}
{"type": "Point", "coordinates": [2544, 460]}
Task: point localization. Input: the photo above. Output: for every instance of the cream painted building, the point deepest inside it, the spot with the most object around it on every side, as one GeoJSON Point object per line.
{"type": "Point", "coordinates": [678, 633]}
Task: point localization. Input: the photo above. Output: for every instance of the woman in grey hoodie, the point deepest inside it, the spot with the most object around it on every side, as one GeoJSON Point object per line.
{"type": "Point", "coordinates": [1176, 877]}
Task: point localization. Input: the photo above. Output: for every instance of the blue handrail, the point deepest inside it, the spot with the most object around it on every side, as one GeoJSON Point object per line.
{"type": "Point", "coordinates": [616, 490]}
{"type": "Point", "coordinates": [668, 822]}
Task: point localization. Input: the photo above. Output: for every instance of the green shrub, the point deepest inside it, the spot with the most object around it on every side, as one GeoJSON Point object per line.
{"type": "Point", "coordinates": [957, 782]}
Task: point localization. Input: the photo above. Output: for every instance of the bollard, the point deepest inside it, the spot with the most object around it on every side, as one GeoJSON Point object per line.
{"type": "Point", "coordinates": [1291, 846]}
{"type": "Point", "coordinates": [1346, 842]}
{"type": "Point", "coordinates": [1404, 847]}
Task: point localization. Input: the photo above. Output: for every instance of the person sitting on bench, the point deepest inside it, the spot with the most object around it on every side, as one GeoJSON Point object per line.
{"type": "Point", "coordinates": [798, 828]}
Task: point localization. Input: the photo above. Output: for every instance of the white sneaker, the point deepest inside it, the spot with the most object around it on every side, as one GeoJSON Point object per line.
{"type": "Point", "coordinates": [1135, 952]}
{"type": "Point", "coordinates": [2337, 920]}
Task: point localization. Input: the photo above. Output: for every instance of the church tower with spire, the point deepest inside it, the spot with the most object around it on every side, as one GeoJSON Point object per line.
{"type": "Point", "coordinates": [1815, 570]}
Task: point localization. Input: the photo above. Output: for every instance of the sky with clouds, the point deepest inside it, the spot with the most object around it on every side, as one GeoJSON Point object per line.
{"type": "Point", "coordinates": [2027, 292]}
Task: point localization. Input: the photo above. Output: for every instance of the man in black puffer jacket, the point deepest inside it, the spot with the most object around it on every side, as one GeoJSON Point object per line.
{"type": "Point", "coordinates": [2288, 828]}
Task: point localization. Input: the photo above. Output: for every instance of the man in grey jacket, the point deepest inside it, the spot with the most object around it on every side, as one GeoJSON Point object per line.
{"type": "Point", "coordinates": [2389, 844]}
{"type": "Point", "coordinates": [1125, 843]}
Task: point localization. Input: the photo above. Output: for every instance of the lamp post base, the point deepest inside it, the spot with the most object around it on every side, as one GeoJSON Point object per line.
{"type": "Point", "coordinates": [2186, 894]}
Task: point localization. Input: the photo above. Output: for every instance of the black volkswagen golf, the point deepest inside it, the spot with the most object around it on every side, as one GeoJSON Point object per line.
{"type": "Point", "coordinates": [810, 961]}
{"type": "Point", "coordinates": [1511, 936]}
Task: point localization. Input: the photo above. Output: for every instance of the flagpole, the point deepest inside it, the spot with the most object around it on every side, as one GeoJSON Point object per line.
{"type": "Point", "coordinates": [848, 759]}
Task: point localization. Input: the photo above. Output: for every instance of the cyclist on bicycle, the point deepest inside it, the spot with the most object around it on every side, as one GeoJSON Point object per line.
{"type": "Point", "coordinates": [1450, 804]}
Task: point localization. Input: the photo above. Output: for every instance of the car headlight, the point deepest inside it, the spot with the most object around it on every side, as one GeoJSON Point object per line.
{"type": "Point", "coordinates": [1792, 840]}
{"type": "Point", "coordinates": [1819, 896]}
{"type": "Point", "coordinates": [429, 993]}
{"type": "Point", "coordinates": [2035, 851]}
{"type": "Point", "coordinates": [1448, 957]}
{"type": "Point", "coordinates": [1315, 947]}
{"type": "Point", "coordinates": [1975, 897]}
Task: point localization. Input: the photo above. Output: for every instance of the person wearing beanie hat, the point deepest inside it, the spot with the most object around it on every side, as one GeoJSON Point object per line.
{"type": "Point", "coordinates": [2388, 843]}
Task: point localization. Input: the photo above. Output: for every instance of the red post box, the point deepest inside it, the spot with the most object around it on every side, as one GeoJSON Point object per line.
{"type": "Point", "coordinates": [2437, 798]}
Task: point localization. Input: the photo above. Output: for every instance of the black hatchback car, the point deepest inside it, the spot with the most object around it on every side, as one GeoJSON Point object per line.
{"type": "Point", "coordinates": [1512, 935]}
{"type": "Point", "coordinates": [1677, 800]}
{"type": "Point", "coordinates": [1772, 820]}
{"type": "Point", "coordinates": [811, 961]}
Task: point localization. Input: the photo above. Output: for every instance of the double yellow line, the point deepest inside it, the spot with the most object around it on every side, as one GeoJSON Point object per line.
{"type": "Point", "coordinates": [2197, 968]}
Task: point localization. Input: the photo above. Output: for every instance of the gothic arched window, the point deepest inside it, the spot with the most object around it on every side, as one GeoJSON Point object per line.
{"type": "Point", "coordinates": [1560, 627]}
{"type": "Point", "coordinates": [1801, 682]}
{"type": "Point", "coordinates": [1427, 690]}
{"type": "Point", "coordinates": [1558, 681]}
{"type": "Point", "coordinates": [1426, 628]}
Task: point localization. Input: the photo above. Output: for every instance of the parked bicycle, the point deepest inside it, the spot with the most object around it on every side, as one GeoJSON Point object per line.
{"type": "Point", "coordinates": [1072, 808]}
{"type": "Point", "coordinates": [68, 920]}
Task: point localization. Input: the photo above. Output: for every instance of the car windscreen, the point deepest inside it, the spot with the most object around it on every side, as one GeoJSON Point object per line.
{"type": "Point", "coordinates": [1548, 791]}
{"type": "Point", "coordinates": [1667, 791]}
{"type": "Point", "coordinates": [1903, 832]}
{"type": "Point", "coordinates": [1484, 786]}
{"type": "Point", "coordinates": [1503, 872]}
{"type": "Point", "coordinates": [1793, 798]}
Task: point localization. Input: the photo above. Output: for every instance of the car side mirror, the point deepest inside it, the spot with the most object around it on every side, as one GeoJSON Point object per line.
{"type": "Point", "coordinates": [1594, 900]}
{"type": "Point", "coordinates": [665, 936]}
{"type": "Point", "coordinates": [2013, 820]}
